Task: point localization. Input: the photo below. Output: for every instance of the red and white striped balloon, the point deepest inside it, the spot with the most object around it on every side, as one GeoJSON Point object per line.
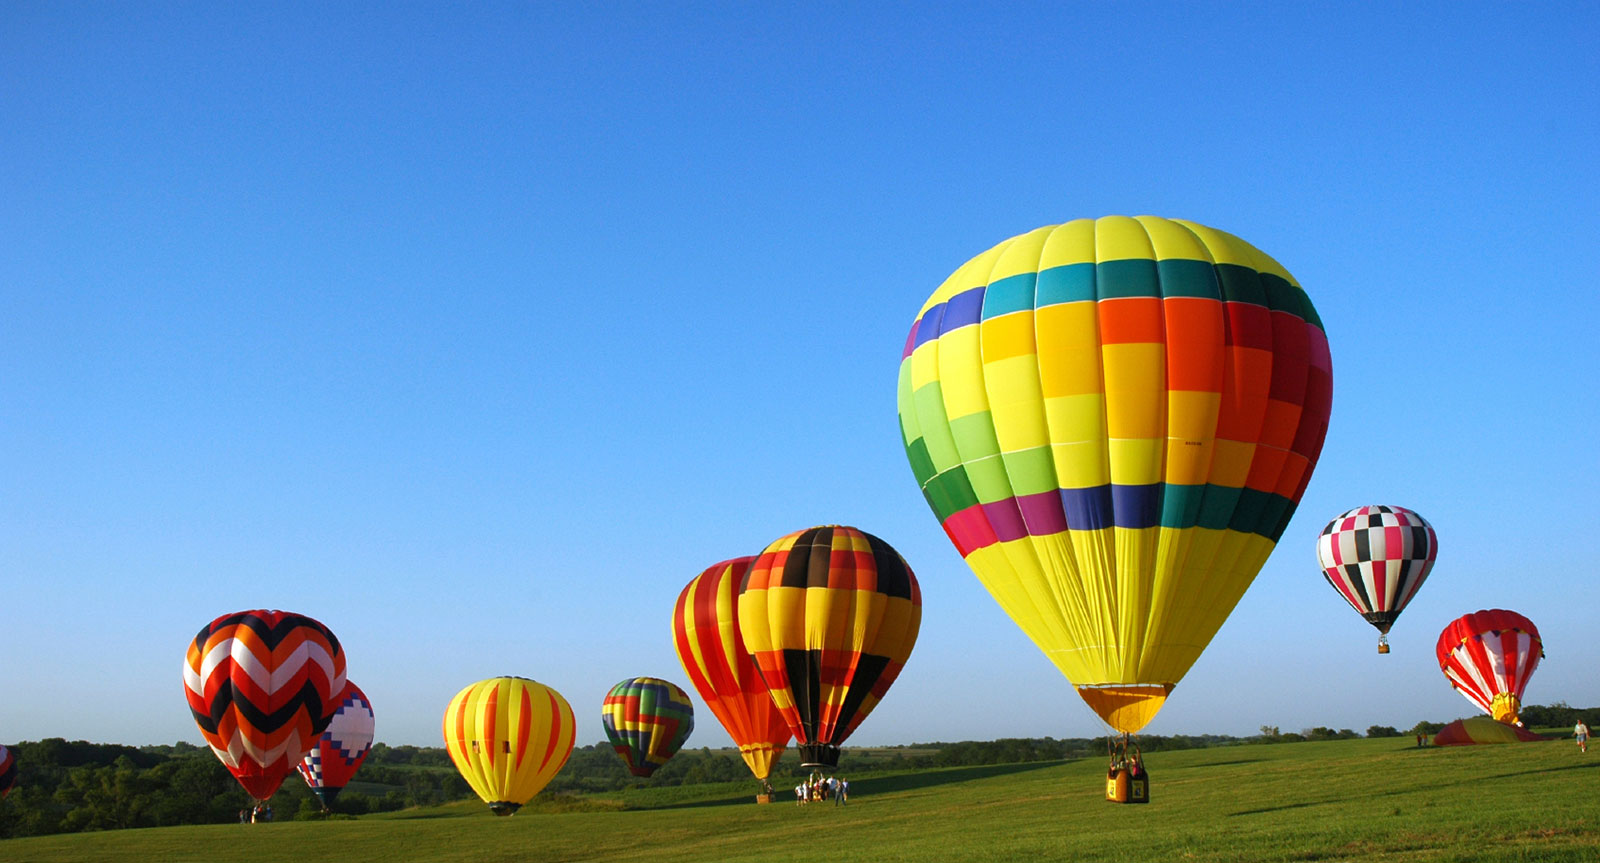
{"type": "Point", "coordinates": [1488, 657]}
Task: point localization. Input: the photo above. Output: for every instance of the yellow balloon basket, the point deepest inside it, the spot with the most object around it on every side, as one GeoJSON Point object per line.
{"type": "Point", "coordinates": [1127, 780]}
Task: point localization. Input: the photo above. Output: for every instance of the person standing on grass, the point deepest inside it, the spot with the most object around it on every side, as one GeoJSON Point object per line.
{"type": "Point", "coordinates": [844, 791]}
{"type": "Point", "coordinates": [1581, 732]}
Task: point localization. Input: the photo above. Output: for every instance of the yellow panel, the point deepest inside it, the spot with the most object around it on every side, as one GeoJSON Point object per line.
{"type": "Point", "coordinates": [1007, 336]}
{"type": "Point", "coordinates": [1077, 418]}
{"type": "Point", "coordinates": [961, 374]}
{"type": "Point", "coordinates": [1125, 708]}
{"type": "Point", "coordinates": [1015, 403]}
{"type": "Point", "coordinates": [1505, 707]}
{"type": "Point", "coordinates": [1188, 462]}
{"type": "Point", "coordinates": [1170, 239]}
{"type": "Point", "coordinates": [1021, 255]}
{"type": "Point", "coordinates": [1118, 238]}
{"type": "Point", "coordinates": [1082, 465]}
{"type": "Point", "coordinates": [925, 364]}
{"type": "Point", "coordinates": [1137, 461]}
{"type": "Point", "coordinates": [1071, 243]}
{"type": "Point", "coordinates": [1069, 337]}
{"type": "Point", "coordinates": [1136, 403]}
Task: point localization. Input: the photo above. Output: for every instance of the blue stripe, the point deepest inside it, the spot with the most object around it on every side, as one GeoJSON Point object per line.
{"type": "Point", "coordinates": [1072, 283]}
{"type": "Point", "coordinates": [1103, 506]}
{"type": "Point", "coordinates": [928, 327]}
{"type": "Point", "coordinates": [1010, 294]}
{"type": "Point", "coordinates": [962, 310]}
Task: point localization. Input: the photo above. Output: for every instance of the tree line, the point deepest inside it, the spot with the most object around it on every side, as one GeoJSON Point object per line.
{"type": "Point", "coordinates": [69, 786]}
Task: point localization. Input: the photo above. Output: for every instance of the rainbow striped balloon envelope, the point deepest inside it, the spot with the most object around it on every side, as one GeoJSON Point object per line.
{"type": "Point", "coordinates": [647, 720]}
{"type": "Point", "coordinates": [1113, 420]}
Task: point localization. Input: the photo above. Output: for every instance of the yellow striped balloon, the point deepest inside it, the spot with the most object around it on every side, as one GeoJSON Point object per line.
{"type": "Point", "coordinates": [508, 736]}
{"type": "Point", "coordinates": [1113, 420]}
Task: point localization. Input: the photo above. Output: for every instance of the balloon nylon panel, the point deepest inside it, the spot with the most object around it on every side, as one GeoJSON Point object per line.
{"type": "Point", "coordinates": [705, 633]}
{"type": "Point", "coordinates": [1113, 420]}
{"type": "Point", "coordinates": [508, 736]}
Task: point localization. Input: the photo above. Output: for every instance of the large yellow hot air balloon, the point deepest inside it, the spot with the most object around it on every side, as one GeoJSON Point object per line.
{"type": "Point", "coordinates": [508, 736]}
{"type": "Point", "coordinates": [1114, 419]}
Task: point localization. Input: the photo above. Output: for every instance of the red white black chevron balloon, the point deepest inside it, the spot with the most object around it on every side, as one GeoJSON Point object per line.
{"type": "Point", "coordinates": [8, 771]}
{"type": "Point", "coordinates": [262, 687]}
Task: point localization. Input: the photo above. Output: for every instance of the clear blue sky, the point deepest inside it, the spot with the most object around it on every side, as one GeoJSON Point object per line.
{"type": "Point", "coordinates": [476, 332]}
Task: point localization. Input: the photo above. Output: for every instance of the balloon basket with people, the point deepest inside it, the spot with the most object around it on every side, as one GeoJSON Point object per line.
{"type": "Point", "coordinates": [1127, 780]}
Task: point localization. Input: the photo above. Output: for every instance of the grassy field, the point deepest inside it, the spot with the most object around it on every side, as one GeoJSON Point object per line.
{"type": "Point", "coordinates": [1357, 800]}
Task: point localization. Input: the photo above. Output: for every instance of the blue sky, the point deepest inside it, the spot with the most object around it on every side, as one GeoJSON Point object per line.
{"type": "Point", "coordinates": [476, 333]}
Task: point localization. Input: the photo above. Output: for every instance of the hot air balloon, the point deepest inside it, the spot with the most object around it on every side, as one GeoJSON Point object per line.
{"type": "Point", "coordinates": [830, 615]}
{"type": "Point", "coordinates": [647, 720]}
{"type": "Point", "coordinates": [327, 768]}
{"type": "Point", "coordinates": [1377, 557]}
{"type": "Point", "coordinates": [508, 736]}
{"type": "Point", "coordinates": [1481, 729]}
{"type": "Point", "coordinates": [1488, 657]}
{"type": "Point", "coordinates": [705, 631]}
{"type": "Point", "coordinates": [8, 772]}
{"type": "Point", "coordinates": [1113, 420]}
{"type": "Point", "coordinates": [262, 686]}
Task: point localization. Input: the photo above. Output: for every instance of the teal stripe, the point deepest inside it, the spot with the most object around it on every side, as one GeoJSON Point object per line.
{"type": "Point", "coordinates": [1241, 285]}
{"type": "Point", "coordinates": [1180, 505]}
{"type": "Point", "coordinates": [1072, 283]}
{"type": "Point", "coordinates": [1185, 278]}
{"type": "Point", "coordinates": [1134, 277]}
{"type": "Point", "coordinates": [1010, 294]}
{"type": "Point", "coordinates": [1283, 297]}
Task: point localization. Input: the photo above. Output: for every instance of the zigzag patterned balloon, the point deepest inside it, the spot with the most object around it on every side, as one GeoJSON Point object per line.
{"type": "Point", "coordinates": [261, 686]}
{"type": "Point", "coordinates": [647, 719]}
{"type": "Point", "coordinates": [8, 771]}
{"type": "Point", "coordinates": [328, 767]}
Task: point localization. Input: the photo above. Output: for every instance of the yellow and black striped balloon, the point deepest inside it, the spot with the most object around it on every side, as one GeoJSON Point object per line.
{"type": "Point", "coordinates": [830, 614]}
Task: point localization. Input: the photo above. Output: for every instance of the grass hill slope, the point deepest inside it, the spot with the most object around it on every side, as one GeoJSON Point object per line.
{"type": "Point", "coordinates": [1348, 800]}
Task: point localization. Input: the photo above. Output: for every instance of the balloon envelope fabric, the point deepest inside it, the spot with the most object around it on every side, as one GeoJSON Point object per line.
{"type": "Point", "coordinates": [1113, 420]}
{"type": "Point", "coordinates": [830, 614]}
{"type": "Point", "coordinates": [705, 632]}
{"type": "Point", "coordinates": [1488, 657]}
{"type": "Point", "coordinates": [508, 736]}
{"type": "Point", "coordinates": [328, 767]}
{"type": "Point", "coordinates": [1377, 557]}
{"type": "Point", "coordinates": [647, 720]}
{"type": "Point", "coordinates": [261, 685]}
{"type": "Point", "coordinates": [1482, 729]}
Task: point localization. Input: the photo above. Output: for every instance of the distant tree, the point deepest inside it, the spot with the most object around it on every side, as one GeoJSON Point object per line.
{"type": "Point", "coordinates": [1382, 731]}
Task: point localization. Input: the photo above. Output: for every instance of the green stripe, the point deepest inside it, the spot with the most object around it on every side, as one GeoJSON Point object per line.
{"type": "Point", "coordinates": [1031, 470]}
{"type": "Point", "coordinates": [1134, 277]}
{"type": "Point", "coordinates": [921, 465]}
{"type": "Point", "coordinates": [974, 436]}
{"type": "Point", "coordinates": [1241, 285]}
{"type": "Point", "coordinates": [1185, 278]}
{"type": "Point", "coordinates": [1180, 505]}
{"type": "Point", "coordinates": [929, 400]}
{"type": "Point", "coordinates": [988, 478]}
{"type": "Point", "coordinates": [950, 493]}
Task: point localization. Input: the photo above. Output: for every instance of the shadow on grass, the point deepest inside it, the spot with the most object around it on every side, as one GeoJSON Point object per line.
{"type": "Point", "coordinates": [1216, 764]}
{"type": "Point", "coordinates": [884, 784]}
{"type": "Point", "coordinates": [1473, 781]}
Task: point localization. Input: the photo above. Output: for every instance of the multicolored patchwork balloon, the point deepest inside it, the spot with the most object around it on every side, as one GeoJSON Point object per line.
{"type": "Point", "coordinates": [262, 686]}
{"type": "Point", "coordinates": [328, 767]}
{"type": "Point", "coordinates": [1488, 657]}
{"type": "Point", "coordinates": [508, 736]}
{"type": "Point", "coordinates": [830, 614]}
{"type": "Point", "coordinates": [647, 720]}
{"type": "Point", "coordinates": [705, 632]}
{"type": "Point", "coordinates": [1377, 557]}
{"type": "Point", "coordinates": [8, 771]}
{"type": "Point", "coordinates": [1113, 420]}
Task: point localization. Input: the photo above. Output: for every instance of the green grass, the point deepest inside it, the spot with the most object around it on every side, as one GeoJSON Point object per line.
{"type": "Point", "coordinates": [1352, 800]}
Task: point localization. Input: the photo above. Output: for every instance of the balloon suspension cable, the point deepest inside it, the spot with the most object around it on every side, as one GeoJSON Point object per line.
{"type": "Point", "coordinates": [1124, 754]}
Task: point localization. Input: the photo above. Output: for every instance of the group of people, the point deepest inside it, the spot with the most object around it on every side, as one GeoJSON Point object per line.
{"type": "Point", "coordinates": [258, 814]}
{"type": "Point", "coordinates": [818, 789]}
